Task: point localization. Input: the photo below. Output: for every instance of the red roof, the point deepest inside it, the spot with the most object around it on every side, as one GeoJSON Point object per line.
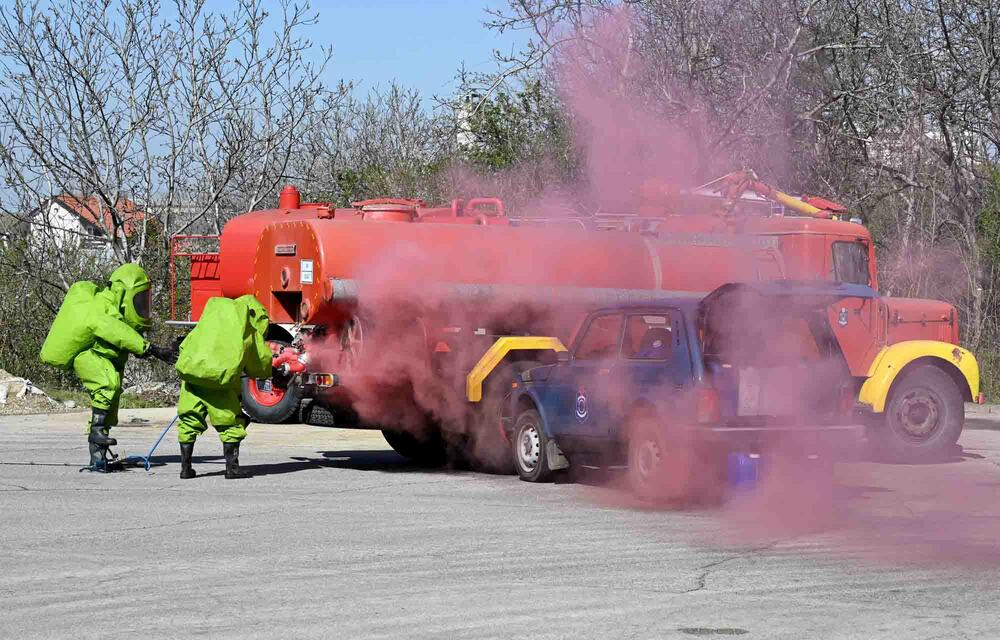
{"type": "Point", "coordinates": [93, 209]}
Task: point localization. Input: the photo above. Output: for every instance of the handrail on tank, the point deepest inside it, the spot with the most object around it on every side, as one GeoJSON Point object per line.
{"type": "Point", "coordinates": [497, 203]}
{"type": "Point", "coordinates": [404, 202]}
{"type": "Point", "coordinates": [174, 254]}
{"type": "Point", "coordinates": [546, 222]}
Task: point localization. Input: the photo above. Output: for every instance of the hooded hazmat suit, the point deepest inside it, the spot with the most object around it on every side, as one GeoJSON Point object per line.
{"type": "Point", "coordinates": [95, 331]}
{"type": "Point", "coordinates": [227, 342]}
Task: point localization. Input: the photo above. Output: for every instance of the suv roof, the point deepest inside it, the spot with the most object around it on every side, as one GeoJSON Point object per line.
{"type": "Point", "coordinates": [679, 300]}
{"type": "Point", "coordinates": [808, 292]}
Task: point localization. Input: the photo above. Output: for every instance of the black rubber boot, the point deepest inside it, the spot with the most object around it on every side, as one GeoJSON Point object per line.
{"type": "Point", "coordinates": [99, 429]}
{"type": "Point", "coordinates": [187, 450]}
{"type": "Point", "coordinates": [232, 451]}
{"type": "Point", "coordinates": [98, 458]}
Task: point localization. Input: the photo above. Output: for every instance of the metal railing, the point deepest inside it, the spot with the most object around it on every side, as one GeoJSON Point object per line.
{"type": "Point", "coordinates": [178, 250]}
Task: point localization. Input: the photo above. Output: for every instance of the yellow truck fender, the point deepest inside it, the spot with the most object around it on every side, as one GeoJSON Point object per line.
{"type": "Point", "coordinates": [495, 355]}
{"type": "Point", "coordinates": [891, 360]}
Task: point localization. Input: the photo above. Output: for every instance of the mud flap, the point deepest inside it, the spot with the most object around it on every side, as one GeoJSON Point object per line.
{"type": "Point", "coordinates": [555, 457]}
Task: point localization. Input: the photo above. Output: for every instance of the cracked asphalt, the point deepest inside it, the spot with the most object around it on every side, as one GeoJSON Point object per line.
{"type": "Point", "coordinates": [336, 536]}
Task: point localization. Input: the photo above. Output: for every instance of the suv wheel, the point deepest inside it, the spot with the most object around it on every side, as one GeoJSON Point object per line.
{"type": "Point", "coordinates": [659, 469]}
{"type": "Point", "coordinates": [528, 448]}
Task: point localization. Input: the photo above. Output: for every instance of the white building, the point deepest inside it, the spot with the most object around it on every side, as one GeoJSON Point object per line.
{"type": "Point", "coordinates": [66, 222]}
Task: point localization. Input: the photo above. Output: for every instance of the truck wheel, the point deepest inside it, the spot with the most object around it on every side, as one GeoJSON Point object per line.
{"type": "Point", "coordinates": [659, 470]}
{"type": "Point", "coordinates": [528, 446]}
{"type": "Point", "coordinates": [270, 401]}
{"type": "Point", "coordinates": [488, 449]}
{"type": "Point", "coordinates": [924, 417]}
{"type": "Point", "coordinates": [427, 449]}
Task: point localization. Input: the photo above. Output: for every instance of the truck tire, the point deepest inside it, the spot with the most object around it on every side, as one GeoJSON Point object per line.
{"type": "Point", "coordinates": [488, 448]}
{"type": "Point", "coordinates": [528, 448]}
{"type": "Point", "coordinates": [269, 403]}
{"type": "Point", "coordinates": [923, 418]}
{"type": "Point", "coordinates": [427, 449]}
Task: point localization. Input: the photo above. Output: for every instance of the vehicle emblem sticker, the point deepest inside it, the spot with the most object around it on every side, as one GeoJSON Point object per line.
{"type": "Point", "coordinates": [582, 411]}
{"type": "Point", "coordinates": [306, 271]}
{"type": "Point", "coordinates": [842, 318]}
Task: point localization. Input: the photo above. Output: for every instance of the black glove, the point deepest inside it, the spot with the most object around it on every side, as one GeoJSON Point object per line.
{"type": "Point", "coordinates": [164, 354]}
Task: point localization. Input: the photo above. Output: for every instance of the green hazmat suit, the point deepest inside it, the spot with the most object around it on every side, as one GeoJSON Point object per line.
{"type": "Point", "coordinates": [96, 329]}
{"type": "Point", "coordinates": [227, 342]}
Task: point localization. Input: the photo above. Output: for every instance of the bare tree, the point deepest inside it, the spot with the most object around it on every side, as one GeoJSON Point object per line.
{"type": "Point", "coordinates": [149, 114]}
{"type": "Point", "coordinates": [723, 71]}
{"type": "Point", "coordinates": [913, 126]}
{"type": "Point", "coordinates": [385, 144]}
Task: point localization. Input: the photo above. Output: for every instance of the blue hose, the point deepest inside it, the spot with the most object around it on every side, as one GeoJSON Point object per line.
{"type": "Point", "coordinates": [146, 458]}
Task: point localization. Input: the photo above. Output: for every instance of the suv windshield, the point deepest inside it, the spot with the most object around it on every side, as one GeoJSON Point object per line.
{"type": "Point", "coordinates": [601, 339]}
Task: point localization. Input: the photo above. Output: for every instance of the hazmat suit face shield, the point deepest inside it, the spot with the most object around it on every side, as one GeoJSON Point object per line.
{"type": "Point", "coordinates": [137, 297]}
{"type": "Point", "coordinates": [137, 304]}
{"type": "Point", "coordinates": [141, 303]}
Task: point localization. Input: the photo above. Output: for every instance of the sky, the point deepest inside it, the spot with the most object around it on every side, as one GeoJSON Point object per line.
{"type": "Point", "coordinates": [420, 44]}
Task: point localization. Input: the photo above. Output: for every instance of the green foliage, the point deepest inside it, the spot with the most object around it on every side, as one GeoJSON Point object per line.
{"type": "Point", "coordinates": [988, 224]}
{"type": "Point", "coordinates": [988, 227]}
{"type": "Point", "coordinates": [25, 315]}
{"type": "Point", "coordinates": [351, 184]}
{"type": "Point", "coordinates": [989, 369]}
{"type": "Point", "coordinates": [128, 400]}
{"type": "Point", "coordinates": [516, 126]}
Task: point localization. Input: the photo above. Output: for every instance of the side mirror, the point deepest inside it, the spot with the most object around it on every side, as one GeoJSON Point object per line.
{"type": "Point", "coordinates": [563, 356]}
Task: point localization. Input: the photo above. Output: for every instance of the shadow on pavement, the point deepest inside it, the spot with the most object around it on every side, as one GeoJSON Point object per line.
{"type": "Point", "coordinates": [955, 455]}
{"type": "Point", "coordinates": [363, 460]}
{"type": "Point", "coordinates": [176, 459]}
{"type": "Point", "coordinates": [984, 424]}
{"type": "Point", "coordinates": [387, 461]}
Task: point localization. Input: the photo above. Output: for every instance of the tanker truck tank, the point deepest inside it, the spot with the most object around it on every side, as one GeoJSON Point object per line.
{"type": "Point", "coordinates": [294, 260]}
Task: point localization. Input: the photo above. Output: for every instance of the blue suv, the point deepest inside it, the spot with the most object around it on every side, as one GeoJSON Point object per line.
{"type": "Point", "coordinates": [670, 389]}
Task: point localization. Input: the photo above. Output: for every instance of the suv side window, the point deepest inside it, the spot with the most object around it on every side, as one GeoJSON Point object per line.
{"type": "Point", "coordinates": [601, 340]}
{"type": "Point", "coordinates": [850, 262]}
{"type": "Point", "coordinates": [648, 336]}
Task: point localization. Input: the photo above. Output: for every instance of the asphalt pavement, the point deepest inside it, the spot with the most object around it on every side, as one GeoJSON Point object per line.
{"type": "Point", "coordinates": [338, 537]}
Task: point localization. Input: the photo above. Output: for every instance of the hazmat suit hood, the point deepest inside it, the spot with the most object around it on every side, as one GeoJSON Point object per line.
{"type": "Point", "coordinates": [256, 314]}
{"type": "Point", "coordinates": [131, 283]}
{"type": "Point", "coordinates": [227, 342]}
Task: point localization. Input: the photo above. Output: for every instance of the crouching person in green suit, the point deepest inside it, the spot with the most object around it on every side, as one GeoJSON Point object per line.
{"type": "Point", "coordinates": [227, 343]}
{"type": "Point", "coordinates": [92, 335]}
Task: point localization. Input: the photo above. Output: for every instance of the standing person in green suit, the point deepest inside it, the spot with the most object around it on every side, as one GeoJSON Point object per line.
{"type": "Point", "coordinates": [227, 342]}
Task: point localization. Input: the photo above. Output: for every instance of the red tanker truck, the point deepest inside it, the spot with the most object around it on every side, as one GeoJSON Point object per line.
{"type": "Point", "coordinates": [457, 277]}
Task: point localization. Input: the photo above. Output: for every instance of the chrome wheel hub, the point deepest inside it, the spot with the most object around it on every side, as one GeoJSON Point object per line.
{"type": "Point", "coordinates": [529, 447]}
